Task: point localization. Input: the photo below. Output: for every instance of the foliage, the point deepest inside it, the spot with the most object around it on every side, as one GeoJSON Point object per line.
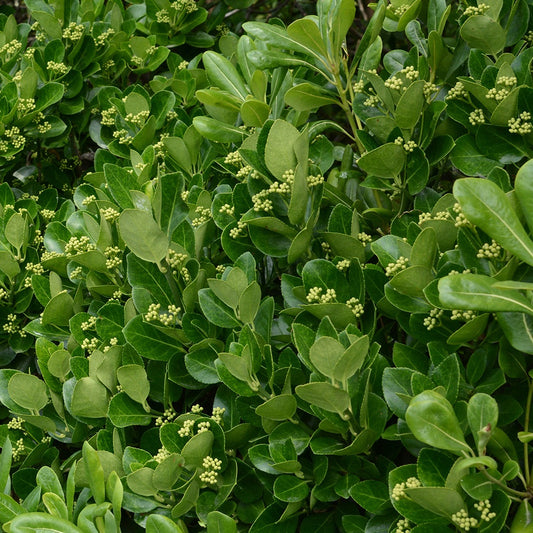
{"type": "Point", "coordinates": [261, 274]}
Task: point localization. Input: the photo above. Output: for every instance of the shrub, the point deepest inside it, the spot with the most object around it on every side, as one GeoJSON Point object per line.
{"type": "Point", "coordinates": [262, 273]}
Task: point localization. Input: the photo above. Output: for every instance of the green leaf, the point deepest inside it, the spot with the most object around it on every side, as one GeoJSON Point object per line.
{"type": "Point", "coordinates": [486, 205]}
{"type": "Point", "coordinates": [439, 500]}
{"type": "Point", "coordinates": [483, 33]}
{"type": "Point", "coordinates": [223, 74]}
{"type": "Point", "coordinates": [151, 341]}
{"type": "Point", "coordinates": [58, 310]}
{"type": "Point", "coordinates": [42, 523]}
{"type": "Point", "coordinates": [49, 482]}
{"type": "Point", "coordinates": [373, 496]}
{"type": "Point", "coordinates": [432, 420]}
{"type": "Point", "coordinates": [290, 489]}
{"type": "Point", "coordinates": [482, 414]}
{"type": "Point", "coordinates": [524, 191]}
{"type": "Point", "coordinates": [409, 107]}
{"type": "Point", "coordinates": [306, 32]}
{"type": "Point", "coordinates": [90, 399]}
{"type": "Point", "coordinates": [215, 310]}
{"type": "Point", "coordinates": [473, 291]}
{"type": "Point", "coordinates": [325, 354]}
{"type": "Point", "coordinates": [279, 149]}
{"type": "Point", "coordinates": [218, 522]}
{"type": "Point", "coordinates": [141, 483]}
{"type": "Point", "coordinates": [249, 302]}
{"type": "Point", "coordinates": [157, 523]}
{"type": "Point", "coordinates": [142, 235]}
{"type": "Point", "coordinates": [16, 230]}
{"type": "Point", "coordinates": [120, 183]}
{"type": "Point", "coordinates": [95, 472]}
{"type": "Point", "coordinates": [197, 448]}
{"type": "Point", "coordinates": [27, 391]}
{"type": "Point", "coordinates": [325, 396]}
{"type": "Point", "coordinates": [124, 412]}
{"type": "Point", "coordinates": [469, 160]}
{"type": "Point", "coordinates": [308, 97]}
{"type": "Point", "coordinates": [279, 408]}
{"type": "Point", "coordinates": [134, 382]}
{"type": "Point", "coordinates": [254, 113]}
{"type": "Point", "coordinates": [386, 161]}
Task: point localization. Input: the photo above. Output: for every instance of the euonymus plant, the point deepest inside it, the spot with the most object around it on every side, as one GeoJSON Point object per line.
{"type": "Point", "coordinates": [266, 266]}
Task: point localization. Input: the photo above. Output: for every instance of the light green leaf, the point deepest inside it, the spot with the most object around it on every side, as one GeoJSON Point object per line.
{"type": "Point", "coordinates": [432, 420]}
{"type": "Point", "coordinates": [142, 235]}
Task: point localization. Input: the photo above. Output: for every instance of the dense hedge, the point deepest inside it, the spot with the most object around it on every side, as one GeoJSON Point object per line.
{"type": "Point", "coordinates": [266, 266]}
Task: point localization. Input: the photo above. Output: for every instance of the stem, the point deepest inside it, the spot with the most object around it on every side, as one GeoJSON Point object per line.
{"type": "Point", "coordinates": [507, 489]}
{"type": "Point", "coordinates": [347, 108]}
{"type": "Point", "coordinates": [526, 429]}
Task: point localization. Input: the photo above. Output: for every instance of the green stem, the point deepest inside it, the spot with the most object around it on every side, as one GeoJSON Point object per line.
{"type": "Point", "coordinates": [347, 108]}
{"type": "Point", "coordinates": [503, 486]}
{"type": "Point", "coordinates": [526, 429]}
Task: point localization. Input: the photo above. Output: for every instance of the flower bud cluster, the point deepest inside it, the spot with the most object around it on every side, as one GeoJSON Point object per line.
{"type": "Point", "coordinates": [313, 181]}
{"type": "Point", "coordinates": [521, 125]}
{"type": "Point", "coordinates": [90, 344]}
{"type": "Point", "coordinates": [32, 269]}
{"type": "Point", "coordinates": [432, 320]}
{"type": "Point", "coordinates": [403, 526]}
{"type": "Point", "coordinates": [168, 416]}
{"type": "Point", "coordinates": [497, 94]}
{"type": "Point", "coordinates": [161, 455]}
{"type": "Point", "coordinates": [217, 413]}
{"type": "Point", "coordinates": [372, 101]}
{"type": "Point", "coordinates": [508, 81]}
{"type": "Point", "coordinates": [203, 215]}
{"type": "Point", "coordinates": [483, 506]}
{"type": "Point", "coordinates": [476, 117]}
{"type": "Point", "coordinates": [343, 265]}
{"type": "Point", "coordinates": [430, 89]}
{"type": "Point", "coordinates": [408, 146]}
{"type": "Point", "coordinates": [238, 231]}
{"type": "Point", "coordinates": [394, 83]}
{"type": "Point", "coordinates": [110, 214]}
{"type": "Point", "coordinates": [11, 325]}
{"type": "Point", "coordinates": [15, 423]}
{"type": "Point", "coordinates": [25, 105]}
{"type": "Point", "coordinates": [12, 47]}
{"type": "Point", "coordinates": [316, 295]}
{"type": "Point", "coordinates": [74, 31]}
{"type": "Point", "coordinates": [18, 450]}
{"type": "Point", "coordinates": [233, 158]}
{"type": "Point", "coordinates": [137, 119]}
{"type": "Point", "coordinates": [79, 245]}
{"type": "Point", "coordinates": [122, 136]}
{"type": "Point", "coordinates": [227, 209]}
{"type": "Point", "coordinates": [457, 91]}
{"type": "Point", "coordinates": [113, 257]}
{"type": "Point", "coordinates": [398, 491]}
{"type": "Point", "coordinates": [393, 268]}
{"type": "Point", "coordinates": [458, 314]}
{"type": "Point", "coordinates": [356, 306]}
{"type": "Point", "coordinates": [463, 521]}
{"type": "Point", "coordinates": [480, 9]}
{"type": "Point", "coordinates": [108, 116]}
{"type": "Point", "coordinates": [288, 176]}
{"type": "Point", "coordinates": [212, 466]}
{"type": "Point", "coordinates": [57, 68]}
{"type": "Point", "coordinates": [489, 251]}
{"type": "Point", "coordinates": [176, 259]}
{"type": "Point", "coordinates": [189, 6]}
{"type": "Point", "coordinates": [104, 37]}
